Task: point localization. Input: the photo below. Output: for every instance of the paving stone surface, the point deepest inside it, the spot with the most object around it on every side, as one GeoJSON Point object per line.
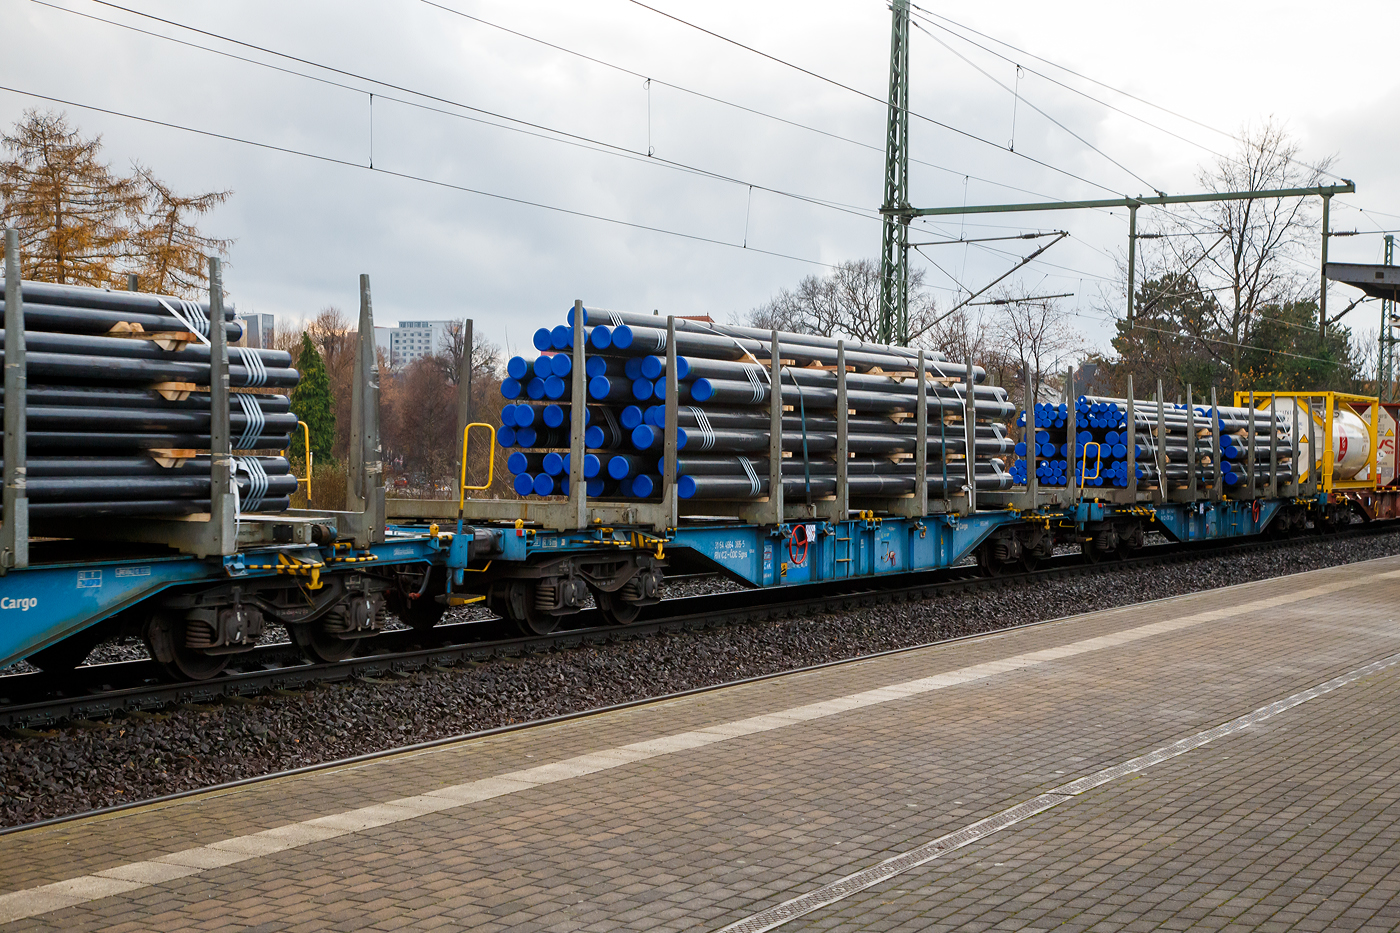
{"type": "Point", "coordinates": [1288, 824]}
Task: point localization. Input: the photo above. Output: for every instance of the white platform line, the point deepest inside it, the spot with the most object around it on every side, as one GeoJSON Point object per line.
{"type": "Point", "coordinates": [29, 902]}
{"type": "Point", "coordinates": [843, 888]}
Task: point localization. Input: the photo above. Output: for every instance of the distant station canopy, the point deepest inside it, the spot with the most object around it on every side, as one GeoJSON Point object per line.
{"type": "Point", "coordinates": [1375, 280]}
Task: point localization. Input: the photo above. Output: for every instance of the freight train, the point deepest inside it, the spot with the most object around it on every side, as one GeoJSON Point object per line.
{"type": "Point", "coordinates": [155, 503]}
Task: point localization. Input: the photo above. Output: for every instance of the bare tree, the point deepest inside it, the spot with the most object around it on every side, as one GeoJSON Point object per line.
{"type": "Point", "coordinates": [842, 303]}
{"type": "Point", "coordinates": [1243, 251]}
{"type": "Point", "coordinates": [1036, 335]}
{"type": "Point", "coordinates": [486, 357]}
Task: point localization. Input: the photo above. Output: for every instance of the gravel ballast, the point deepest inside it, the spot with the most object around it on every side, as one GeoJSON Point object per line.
{"type": "Point", "coordinates": [87, 766]}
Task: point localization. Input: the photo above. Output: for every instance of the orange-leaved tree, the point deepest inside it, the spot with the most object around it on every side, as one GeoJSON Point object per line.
{"type": "Point", "coordinates": [82, 223]}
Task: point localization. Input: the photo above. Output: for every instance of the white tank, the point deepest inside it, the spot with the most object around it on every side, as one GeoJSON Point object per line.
{"type": "Point", "coordinates": [1351, 444]}
{"type": "Point", "coordinates": [1351, 437]}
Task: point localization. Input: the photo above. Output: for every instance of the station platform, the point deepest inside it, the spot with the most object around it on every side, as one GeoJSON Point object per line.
{"type": "Point", "coordinates": [1227, 760]}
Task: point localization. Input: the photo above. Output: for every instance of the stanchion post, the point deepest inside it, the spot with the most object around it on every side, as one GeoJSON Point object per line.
{"type": "Point", "coordinates": [921, 441]}
{"type": "Point", "coordinates": [671, 447]}
{"type": "Point", "coordinates": [970, 433]}
{"type": "Point", "coordinates": [464, 390]}
{"type": "Point", "coordinates": [1190, 445]}
{"type": "Point", "coordinates": [14, 525]}
{"type": "Point", "coordinates": [1132, 443]}
{"type": "Point", "coordinates": [1032, 482]}
{"type": "Point", "coordinates": [1249, 453]}
{"type": "Point", "coordinates": [578, 408]}
{"type": "Point", "coordinates": [222, 506]}
{"type": "Point", "coordinates": [775, 429]}
{"type": "Point", "coordinates": [1218, 487]}
{"type": "Point", "coordinates": [843, 489]}
{"type": "Point", "coordinates": [1161, 443]}
{"type": "Point", "coordinates": [1072, 434]}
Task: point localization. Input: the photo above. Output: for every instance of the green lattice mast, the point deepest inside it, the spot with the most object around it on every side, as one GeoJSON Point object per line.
{"type": "Point", "coordinates": [894, 246]}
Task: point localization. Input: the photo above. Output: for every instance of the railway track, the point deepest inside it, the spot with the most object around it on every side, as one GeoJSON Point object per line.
{"type": "Point", "coordinates": [101, 690]}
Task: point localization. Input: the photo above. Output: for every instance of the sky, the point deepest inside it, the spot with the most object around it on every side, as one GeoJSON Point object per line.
{"type": "Point", "coordinates": [714, 175]}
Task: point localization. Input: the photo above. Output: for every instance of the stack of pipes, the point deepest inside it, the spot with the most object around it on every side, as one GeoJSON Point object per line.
{"type": "Point", "coordinates": [117, 406]}
{"type": "Point", "coordinates": [724, 414]}
{"type": "Point", "coordinates": [1186, 435]}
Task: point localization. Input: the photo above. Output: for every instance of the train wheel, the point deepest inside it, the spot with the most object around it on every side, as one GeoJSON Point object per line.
{"type": "Point", "coordinates": [1029, 562]}
{"type": "Point", "coordinates": [1090, 553]}
{"type": "Point", "coordinates": [615, 609]}
{"type": "Point", "coordinates": [520, 606]}
{"type": "Point", "coordinates": [165, 639]}
{"type": "Point", "coordinates": [537, 622]}
{"type": "Point", "coordinates": [319, 645]}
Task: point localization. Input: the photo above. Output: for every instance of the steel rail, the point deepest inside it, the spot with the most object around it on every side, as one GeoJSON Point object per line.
{"type": "Point", "coordinates": [30, 700]}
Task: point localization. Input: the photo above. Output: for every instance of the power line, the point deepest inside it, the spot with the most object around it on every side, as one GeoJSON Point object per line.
{"type": "Point", "coordinates": [542, 131]}
{"type": "Point", "coordinates": [718, 100]}
{"type": "Point", "coordinates": [1047, 116]}
{"type": "Point", "coordinates": [1102, 84]}
{"type": "Point", "coordinates": [407, 176]}
{"type": "Point", "coordinates": [1068, 87]}
{"type": "Point", "coordinates": [879, 100]}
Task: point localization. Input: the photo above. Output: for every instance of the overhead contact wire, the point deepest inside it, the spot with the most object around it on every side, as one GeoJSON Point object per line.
{"type": "Point", "coordinates": [410, 177]}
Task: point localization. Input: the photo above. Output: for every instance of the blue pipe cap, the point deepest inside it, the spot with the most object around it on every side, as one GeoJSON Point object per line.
{"type": "Point", "coordinates": [554, 416]}
{"type": "Point", "coordinates": [655, 416]}
{"type": "Point", "coordinates": [508, 416]}
{"type": "Point", "coordinates": [643, 436]}
{"type": "Point", "coordinates": [561, 364]}
{"type": "Point", "coordinates": [517, 462]}
{"type": "Point", "coordinates": [524, 484]}
{"type": "Point", "coordinates": [595, 487]}
{"type": "Point", "coordinates": [598, 387]}
{"type": "Point", "coordinates": [506, 436]}
{"type": "Point", "coordinates": [685, 486]}
{"type": "Point", "coordinates": [543, 366]}
{"type": "Point", "coordinates": [570, 316]}
{"type": "Point", "coordinates": [561, 338]}
{"type": "Point", "coordinates": [526, 437]}
{"type": "Point", "coordinates": [701, 390]}
{"type": "Point", "coordinates": [653, 367]}
{"type": "Point", "coordinates": [600, 337]}
{"type": "Point", "coordinates": [510, 388]}
{"type": "Point", "coordinates": [632, 368]}
{"type": "Point", "coordinates": [642, 486]}
{"type": "Point", "coordinates": [554, 387]}
{"type": "Point", "coordinates": [524, 416]}
{"type": "Point", "coordinates": [592, 465]}
{"type": "Point", "coordinates": [544, 485]}
{"type": "Point", "coordinates": [631, 417]}
{"type": "Point", "coordinates": [535, 388]}
{"type": "Point", "coordinates": [593, 436]}
{"type": "Point", "coordinates": [619, 468]}
{"type": "Point", "coordinates": [517, 367]}
{"type": "Point", "coordinates": [553, 463]}
{"type": "Point", "coordinates": [542, 339]}
{"type": "Point", "coordinates": [642, 389]}
{"type": "Point", "coordinates": [622, 337]}
{"type": "Point", "coordinates": [595, 366]}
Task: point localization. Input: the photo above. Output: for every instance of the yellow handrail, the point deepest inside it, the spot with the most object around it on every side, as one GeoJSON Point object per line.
{"type": "Point", "coordinates": [490, 462]}
{"type": "Point", "coordinates": [306, 435]}
{"type": "Point", "coordinates": [1084, 460]}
